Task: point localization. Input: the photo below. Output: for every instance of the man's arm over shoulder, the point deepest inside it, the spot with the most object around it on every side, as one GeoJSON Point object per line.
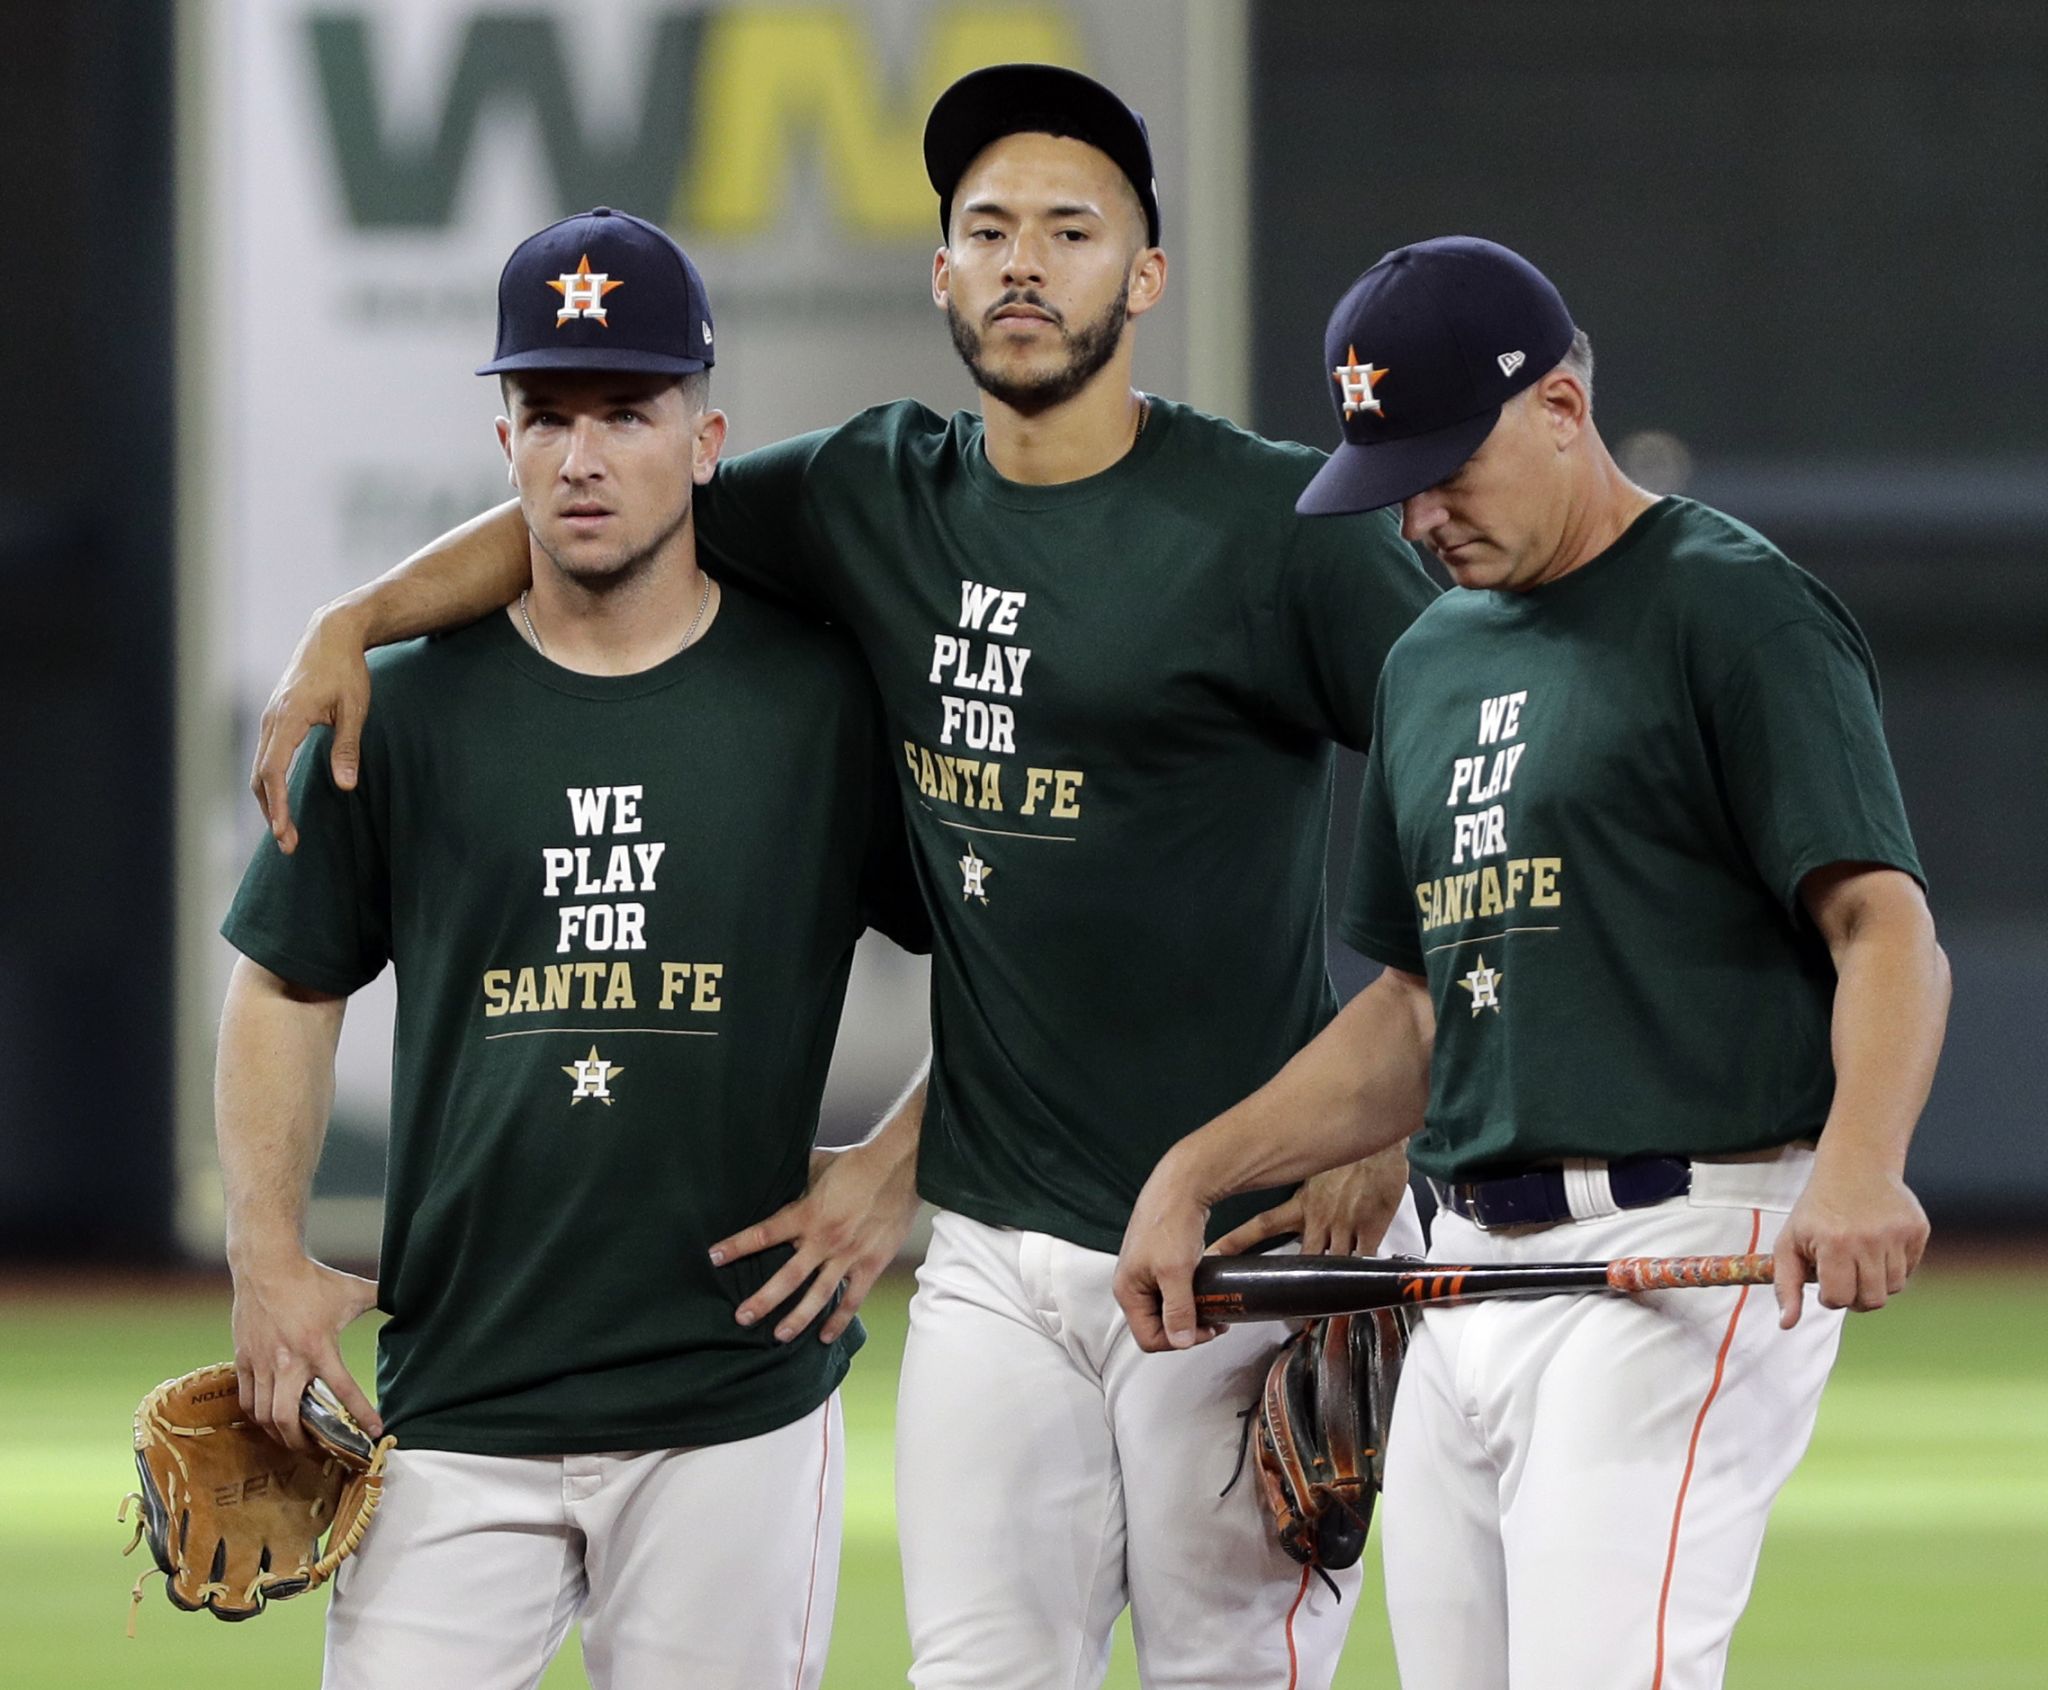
{"type": "Point", "coordinates": [774, 519]}
{"type": "Point", "coordinates": [471, 570]}
{"type": "Point", "coordinates": [753, 523]}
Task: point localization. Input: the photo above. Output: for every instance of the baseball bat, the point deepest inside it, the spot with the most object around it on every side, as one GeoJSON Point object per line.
{"type": "Point", "coordinates": [1240, 1288]}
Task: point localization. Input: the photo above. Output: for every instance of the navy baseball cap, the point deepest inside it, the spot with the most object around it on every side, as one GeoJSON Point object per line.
{"type": "Point", "coordinates": [601, 291]}
{"type": "Point", "coordinates": [985, 105]}
{"type": "Point", "coordinates": [1423, 351]}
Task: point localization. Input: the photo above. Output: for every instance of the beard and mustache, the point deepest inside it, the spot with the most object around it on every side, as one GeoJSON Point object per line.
{"type": "Point", "coordinates": [1087, 348]}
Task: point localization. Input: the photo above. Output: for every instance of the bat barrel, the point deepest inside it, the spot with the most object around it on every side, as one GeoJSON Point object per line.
{"type": "Point", "coordinates": [1239, 1288]}
{"type": "Point", "coordinates": [1229, 1289]}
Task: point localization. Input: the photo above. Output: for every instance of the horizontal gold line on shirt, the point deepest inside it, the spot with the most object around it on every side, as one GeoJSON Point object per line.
{"type": "Point", "coordinates": [1003, 833]}
{"type": "Point", "coordinates": [1488, 938]}
{"type": "Point", "coordinates": [662, 1032]}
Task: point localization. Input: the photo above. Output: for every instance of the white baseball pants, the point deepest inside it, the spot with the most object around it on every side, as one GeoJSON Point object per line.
{"type": "Point", "coordinates": [1049, 1473]}
{"type": "Point", "coordinates": [1577, 1486]}
{"type": "Point", "coordinates": [713, 1567]}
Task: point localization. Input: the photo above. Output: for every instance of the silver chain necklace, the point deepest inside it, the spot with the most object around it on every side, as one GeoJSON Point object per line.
{"type": "Point", "coordinates": [689, 634]}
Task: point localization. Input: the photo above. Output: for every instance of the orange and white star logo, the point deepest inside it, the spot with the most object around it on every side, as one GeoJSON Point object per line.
{"type": "Point", "coordinates": [1355, 381]}
{"type": "Point", "coordinates": [582, 292]}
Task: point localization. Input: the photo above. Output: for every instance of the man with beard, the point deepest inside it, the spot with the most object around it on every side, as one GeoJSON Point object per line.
{"type": "Point", "coordinates": [1113, 661]}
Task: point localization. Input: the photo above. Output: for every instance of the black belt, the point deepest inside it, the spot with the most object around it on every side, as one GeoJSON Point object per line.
{"type": "Point", "coordinates": [1542, 1198]}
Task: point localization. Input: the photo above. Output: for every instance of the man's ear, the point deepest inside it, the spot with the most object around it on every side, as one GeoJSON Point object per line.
{"type": "Point", "coordinates": [1565, 404]}
{"type": "Point", "coordinates": [1147, 285]}
{"type": "Point", "coordinates": [710, 441]}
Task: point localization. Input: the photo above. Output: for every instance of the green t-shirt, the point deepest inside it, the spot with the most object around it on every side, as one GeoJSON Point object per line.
{"type": "Point", "coordinates": [1586, 817]}
{"type": "Point", "coordinates": [1111, 704]}
{"type": "Point", "coordinates": [621, 910]}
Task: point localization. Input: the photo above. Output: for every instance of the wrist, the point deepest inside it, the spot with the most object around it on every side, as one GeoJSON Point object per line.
{"type": "Point", "coordinates": [895, 1154]}
{"type": "Point", "coordinates": [351, 619]}
{"type": "Point", "coordinates": [1843, 1151]}
{"type": "Point", "coordinates": [895, 1140]}
{"type": "Point", "coordinates": [260, 1256]}
{"type": "Point", "coordinates": [1391, 1159]}
{"type": "Point", "coordinates": [1182, 1181]}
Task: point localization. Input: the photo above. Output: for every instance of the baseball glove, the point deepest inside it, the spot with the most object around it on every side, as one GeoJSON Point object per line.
{"type": "Point", "coordinates": [234, 1517]}
{"type": "Point", "coordinates": [1319, 1433]}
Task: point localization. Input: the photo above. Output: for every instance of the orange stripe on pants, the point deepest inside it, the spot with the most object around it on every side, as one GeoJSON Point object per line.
{"type": "Point", "coordinates": [1756, 1221]}
{"type": "Point", "coordinates": [1293, 1661]}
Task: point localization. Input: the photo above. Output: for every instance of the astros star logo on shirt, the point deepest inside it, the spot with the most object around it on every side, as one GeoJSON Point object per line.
{"type": "Point", "coordinates": [1484, 985]}
{"type": "Point", "coordinates": [593, 1077]}
{"type": "Point", "coordinates": [974, 875]}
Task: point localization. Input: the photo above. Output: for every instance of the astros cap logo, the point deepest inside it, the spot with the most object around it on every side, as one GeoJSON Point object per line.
{"type": "Point", "coordinates": [1355, 381]}
{"type": "Point", "coordinates": [665, 328]}
{"type": "Point", "coordinates": [582, 293]}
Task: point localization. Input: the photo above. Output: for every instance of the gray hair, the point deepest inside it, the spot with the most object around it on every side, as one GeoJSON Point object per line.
{"type": "Point", "coordinates": [1578, 363]}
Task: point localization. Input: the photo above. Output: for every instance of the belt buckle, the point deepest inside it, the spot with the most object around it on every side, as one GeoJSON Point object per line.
{"type": "Point", "coordinates": [1466, 1202]}
{"type": "Point", "coordinates": [1526, 1199]}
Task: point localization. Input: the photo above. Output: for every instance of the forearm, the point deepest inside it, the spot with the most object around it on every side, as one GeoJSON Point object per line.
{"type": "Point", "coordinates": [1357, 1090]}
{"type": "Point", "coordinates": [466, 573]}
{"type": "Point", "coordinates": [1891, 1011]}
{"type": "Point", "coordinates": [273, 1090]}
{"type": "Point", "coordinates": [1857, 1230]}
{"type": "Point", "coordinates": [896, 1135]}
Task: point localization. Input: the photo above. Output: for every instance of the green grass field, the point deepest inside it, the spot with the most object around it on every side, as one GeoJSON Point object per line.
{"type": "Point", "coordinates": [1909, 1553]}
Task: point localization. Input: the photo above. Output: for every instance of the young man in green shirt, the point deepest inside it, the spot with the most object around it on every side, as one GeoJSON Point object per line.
{"type": "Point", "coordinates": [618, 841]}
{"type": "Point", "coordinates": [1113, 661]}
{"type": "Point", "coordinates": [1632, 851]}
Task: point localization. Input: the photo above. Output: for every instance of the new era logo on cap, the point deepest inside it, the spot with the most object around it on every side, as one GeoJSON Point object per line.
{"type": "Point", "coordinates": [1510, 362]}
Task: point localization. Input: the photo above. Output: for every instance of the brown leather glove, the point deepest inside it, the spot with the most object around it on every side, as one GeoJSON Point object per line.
{"type": "Point", "coordinates": [1320, 1433]}
{"type": "Point", "coordinates": [234, 1517]}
